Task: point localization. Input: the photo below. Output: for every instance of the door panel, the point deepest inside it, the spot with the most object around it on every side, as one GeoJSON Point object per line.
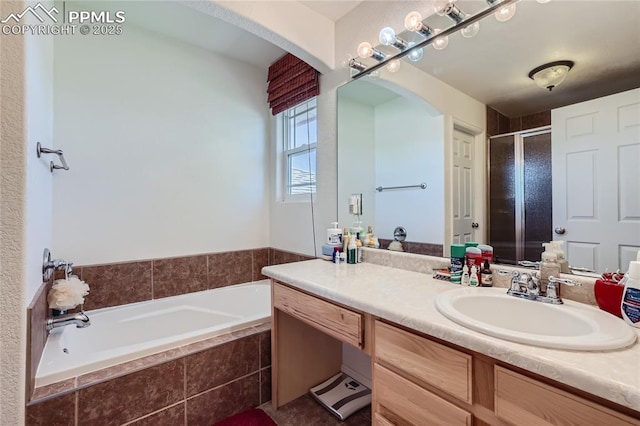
{"type": "Point", "coordinates": [463, 172]}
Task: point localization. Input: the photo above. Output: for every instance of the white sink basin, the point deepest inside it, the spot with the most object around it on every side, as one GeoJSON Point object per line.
{"type": "Point", "coordinates": [574, 326]}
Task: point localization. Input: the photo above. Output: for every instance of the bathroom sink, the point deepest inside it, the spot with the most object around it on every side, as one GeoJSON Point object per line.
{"type": "Point", "coordinates": [573, 325]}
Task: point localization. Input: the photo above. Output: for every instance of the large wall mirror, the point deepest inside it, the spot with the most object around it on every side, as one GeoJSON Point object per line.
{"type": "Point", "coordinates": [388, 137]}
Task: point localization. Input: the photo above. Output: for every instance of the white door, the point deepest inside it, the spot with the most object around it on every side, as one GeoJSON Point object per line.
{"type": "Point", "coordinates": [596, 180]}
{"type": "Point", "coordinates": [463, 173]}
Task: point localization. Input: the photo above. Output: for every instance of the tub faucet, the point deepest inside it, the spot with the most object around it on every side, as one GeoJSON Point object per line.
{"type": "Point", "coordinates": [80, 319]}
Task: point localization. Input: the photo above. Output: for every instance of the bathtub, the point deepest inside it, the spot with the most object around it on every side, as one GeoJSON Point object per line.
{"type": "Point", "coordinates": [127, 332]}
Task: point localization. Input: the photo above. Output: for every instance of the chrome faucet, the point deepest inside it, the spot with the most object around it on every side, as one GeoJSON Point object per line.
{"type": "Point", "coordinates": [80, 319]}
{"type": "Point", "coordinates": [527, 286]}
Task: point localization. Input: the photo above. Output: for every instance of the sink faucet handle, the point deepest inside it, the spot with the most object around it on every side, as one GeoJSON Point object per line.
{"type": "Point", "coordinates": [553, 288]}
{"type": "Point", "coordinates": [565, 281]}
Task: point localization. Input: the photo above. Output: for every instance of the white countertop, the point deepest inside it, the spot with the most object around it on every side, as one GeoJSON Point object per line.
{"type": "Point", "coordinates": [408, 298]}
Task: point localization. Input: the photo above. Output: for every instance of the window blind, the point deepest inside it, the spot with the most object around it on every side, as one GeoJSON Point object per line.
{"type": "Point", "coordinates": [290, 82]}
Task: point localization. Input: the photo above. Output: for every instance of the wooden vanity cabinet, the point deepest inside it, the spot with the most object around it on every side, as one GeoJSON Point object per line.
{"type": "Point", "coordinates": [418, 379]}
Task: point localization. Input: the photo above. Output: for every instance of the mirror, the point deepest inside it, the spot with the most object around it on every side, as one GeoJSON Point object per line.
{"type": "Point", "coordinates": [365, 162]}
{"type": "Point", "coordinates": [390, 142]}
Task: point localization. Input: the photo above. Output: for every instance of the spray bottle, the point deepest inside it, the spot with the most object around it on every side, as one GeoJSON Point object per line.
{"type": "Point", "coordinates": [630, 305]}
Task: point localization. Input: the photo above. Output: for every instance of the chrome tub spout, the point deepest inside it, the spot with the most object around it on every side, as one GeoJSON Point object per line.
{"type": "Point", "coordinates": [80, 319]}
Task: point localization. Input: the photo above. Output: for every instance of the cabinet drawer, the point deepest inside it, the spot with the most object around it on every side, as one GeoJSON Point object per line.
{"type": "Point", "coordinates": [338, 322]}
{"type": "Point", "coordinates": [428, 361]}
{"type": "Point", "coordinates": [412, 403]}
{"type": "Point", "coordinates": [380, 420]}
{"type": "Point", "coordinates": [521, 400]}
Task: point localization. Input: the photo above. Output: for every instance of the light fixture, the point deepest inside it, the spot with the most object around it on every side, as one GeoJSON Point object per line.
{"type": "Point", "coordinates": [365, 50]}
{"type": "Point", "coordinates": [504, 13]}
{"type": "Point", "coordinates": [413, 22]}
{"type": "Point", "coordinates": [467, 24]}
{"type": "Point", "coordinates": [416, 54]}
{"type": "Point", "coordinates": [552, 74]}
{"type": "Point", "coordinates": [388, 37]}
{"type": "Point", "coordinates": [440, 43]}
{"type": "Point", "coordinates": [394, 65]}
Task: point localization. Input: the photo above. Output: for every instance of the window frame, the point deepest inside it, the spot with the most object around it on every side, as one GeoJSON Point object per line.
{"type": "Point", "coordinates": [286, 153]}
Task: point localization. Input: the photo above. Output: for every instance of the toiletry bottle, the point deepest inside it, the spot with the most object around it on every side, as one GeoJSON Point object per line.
{"type": "Point", "coordinates": [630, 305]}
{"type": "Point", "coordinates": [352, 248]}
{"type": "Point", "coordinates": [358, 250]}
{"type": "Point", "coordinates": [549, 266]}
{"type": "Point", "coordinates": [345, 240]}
{"type": "Point", "coordinates": [367, 237]}
{"type": "Point", "coordinates": [334, 234]}
{"type": "Point", "coordinates": [473, 254]}
{"type": "Point", "coordinates": [486, 276]}
{"type": "Point", "coordinates": [465, 276]}
{"type": "Point", "coordinates": [457, 262]}
{"type": "Point", "coordinates": [487, 252]}
{"type": "Point", "coordinates": [558, 249]}
{"type": "Point", "coordinates": [473, 277]}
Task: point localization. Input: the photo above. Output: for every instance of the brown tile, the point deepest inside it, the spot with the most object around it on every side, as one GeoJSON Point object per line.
{"type": "Point", "coordinates": [515, 124]}
{"type": "Point", "coordinates": [130, 397]}
{"type": "Point", "coordinates": [172, 416]}
{"type": "Point", "coordinates": [218, 404]}
{"type": "Point", "coordinates": [117, 284]}
{"type": "Point", "coordinates": [313, 414]}
{"type": "Point", "coordinates": [538, 119]}
{"type": "Point", "coordinates": [64, 386]}
{"type": "Point", "coordinates": [503, 124]}
{"type": "Point", "coordinates": [265, 349]}
{"type": "Point", "coordinates": [54, 412]}
{"type": "Point", "coordinates": [425, 248]}
{"type": "Point", "coordinates": [279, 257]}
{"type": "Point", "coordinates": [260, 260]}
{"type": "Point", "coordinates": [179, 275]}
{"type": "Point", "coordinates": [37, 314]}
{"type": "Point", "coordinates": [265, 385]}
{"type": "Point", "coordinates": [233, 267]}
{"type": "Point", "coordinates": [384, 243]}
{"type": "Point", "coordinates": [221, 364]}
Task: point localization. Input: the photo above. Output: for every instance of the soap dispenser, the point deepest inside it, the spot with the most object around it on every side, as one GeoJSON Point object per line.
{"type": "Point", "coordinates": [549, 267]}
{"type": "Point", "coordinates": [630, 305]}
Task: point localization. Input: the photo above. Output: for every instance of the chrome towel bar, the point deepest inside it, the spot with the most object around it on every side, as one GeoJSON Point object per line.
{"type": "Point", "coordinates": [41, 150]}
{"type": "Point", "coordinates": [421, 186]}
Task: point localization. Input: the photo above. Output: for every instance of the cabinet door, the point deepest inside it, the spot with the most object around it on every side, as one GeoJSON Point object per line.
{"type": "Point", "coordinates": [412, 403]}
{"type": "Point", "coordinates": [521, 400]}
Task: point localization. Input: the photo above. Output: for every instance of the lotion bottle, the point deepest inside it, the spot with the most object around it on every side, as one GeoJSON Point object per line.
{"type": "Point", "coordinates": [630, 305]}
{"type": "Point", "coordinates": [473, 277]}
{"type": "Point", "coordinates": [465, 276]}
{"type": "Point", "coordinates": [549, 267]}
{"type": "Point", "coordinates": [352, 249]}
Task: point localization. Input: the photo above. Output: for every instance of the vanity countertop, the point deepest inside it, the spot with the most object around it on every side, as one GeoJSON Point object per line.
{"type": "Point", "coordinates": [408, 298]}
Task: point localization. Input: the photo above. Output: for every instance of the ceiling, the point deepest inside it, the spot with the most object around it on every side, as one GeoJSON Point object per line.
{"type": "Point", "coordinates": [602, 37]}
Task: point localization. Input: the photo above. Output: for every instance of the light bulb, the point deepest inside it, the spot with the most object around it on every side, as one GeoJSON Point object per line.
{"type": "Point", "coordinates": [387, 36]}
{"type": "Point", "coordinates": [504, 13]}
{"type": "Point", "coordinates": [440, 5]}
{"type": "Point", "coordinates": [470, 30]}
{"type": "Point", "coordinates": [413, 21]}
{"type": "Point", "coordinates": [365, 50]}
{"type": "Point", "coordinates": [440, 42]}
{"type": "Point", "coordinates": [416, 54]}
{"type": "Point", "coordinates": [394, 65]}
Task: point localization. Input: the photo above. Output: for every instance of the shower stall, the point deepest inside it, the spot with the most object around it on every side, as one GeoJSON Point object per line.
{"type": "Point", "coordinates": [520, 205]}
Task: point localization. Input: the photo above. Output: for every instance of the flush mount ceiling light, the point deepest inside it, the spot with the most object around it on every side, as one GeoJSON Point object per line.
{"type": "Point", "coordinates": [552, 74]}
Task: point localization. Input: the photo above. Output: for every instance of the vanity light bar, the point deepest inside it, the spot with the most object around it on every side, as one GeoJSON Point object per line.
{"type": "Point", "coordinates": [470, 19]}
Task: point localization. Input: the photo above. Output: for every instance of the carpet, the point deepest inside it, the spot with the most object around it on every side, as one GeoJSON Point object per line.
{"type": "Point", "coordinates": [253, 417]}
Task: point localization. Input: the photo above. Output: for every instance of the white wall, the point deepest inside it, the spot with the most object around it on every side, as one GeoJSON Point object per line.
{"type": "Point", "coordinates": [167, 145]}
{"type": "Point", "coordinates": [356, 161]}
{"type": "Point", "coordinates": [409, 149]}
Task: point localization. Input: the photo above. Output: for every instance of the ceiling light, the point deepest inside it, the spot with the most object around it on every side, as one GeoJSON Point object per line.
{"type": "Point", "coordinates": [441, 42]}
{"type": "Point", "coordinates": [552, 74]}
{"type": "Point", "coordinates": [388, 37]}
{"type": "Point", "coordinates": [394, 65]}
{"type": "Point", "coordinates": [416, 54]}
{"type": "Point", "coordinates": [365, 50]}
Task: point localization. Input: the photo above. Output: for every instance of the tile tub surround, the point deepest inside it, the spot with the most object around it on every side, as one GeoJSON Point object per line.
{"type": "Point", "coordinates": [198, 384]}
{"type": "Point", "coordinates": [415, 248]}
{"type": "Point", "coordinates": [129, 282]}
{"type": "Point", "coordinates": [408, 298]}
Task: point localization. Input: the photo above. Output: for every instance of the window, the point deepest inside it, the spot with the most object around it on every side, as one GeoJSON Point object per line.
{"type": "Point", "coordinates": [300, 138]}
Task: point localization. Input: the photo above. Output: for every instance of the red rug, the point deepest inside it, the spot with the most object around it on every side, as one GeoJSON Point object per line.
{"type": "Point", "coordinates": [253, 417]}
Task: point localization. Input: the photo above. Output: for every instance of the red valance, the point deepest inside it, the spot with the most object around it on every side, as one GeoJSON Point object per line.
{"type": "Point", "coordinates": [291, 81]}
